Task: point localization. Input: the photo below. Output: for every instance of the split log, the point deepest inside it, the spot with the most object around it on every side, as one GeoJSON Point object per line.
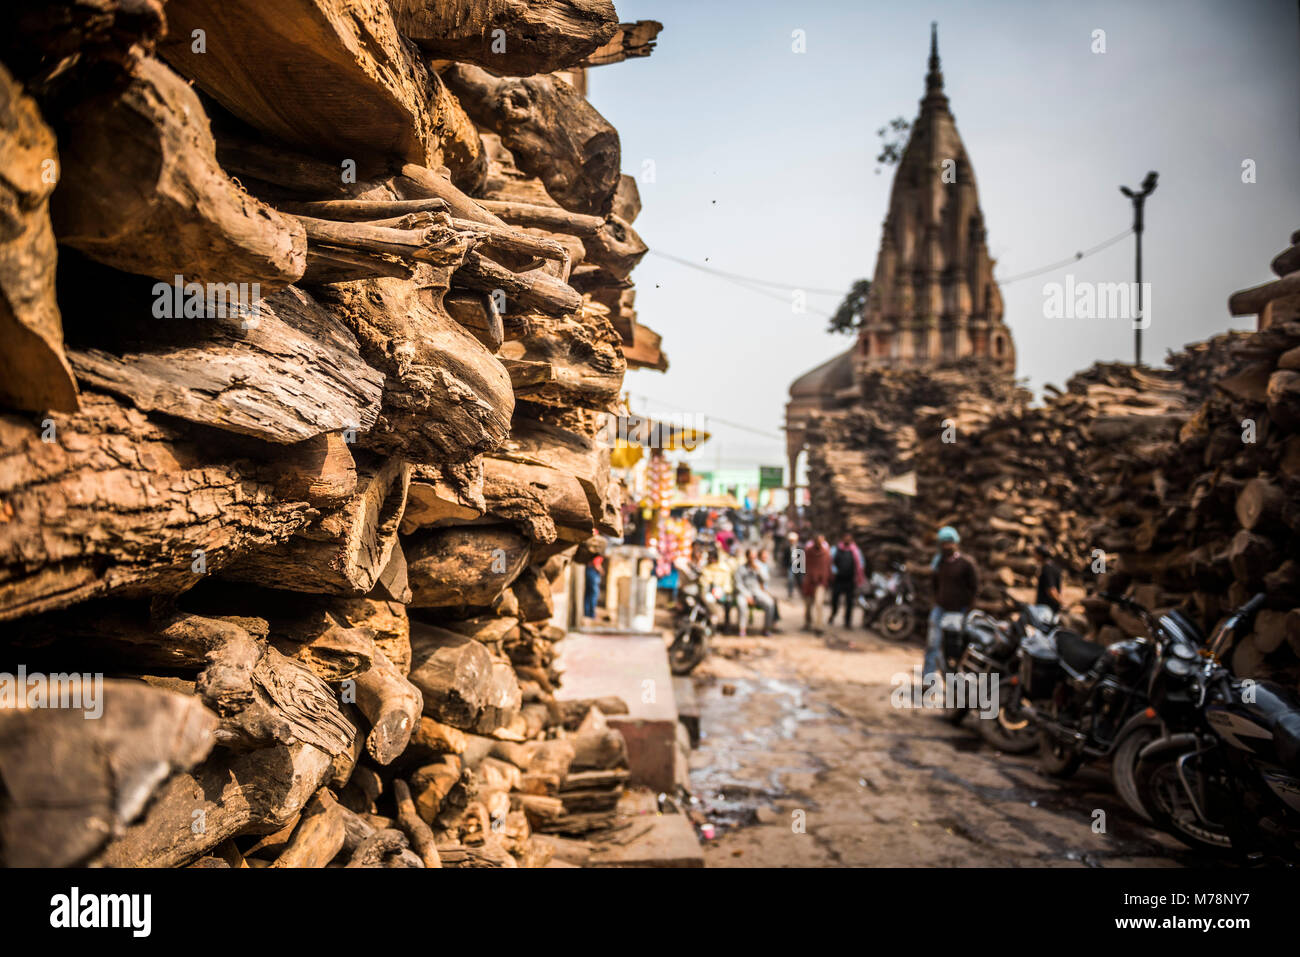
{"type": "Point", "coordinates": [533, 37]}
{"type": "Point", "coordinates": [419, 832]}
{"type": "Point", "coordinates": [320, 470]}
{"type": "Point", "coordinates": [346, 550]}
{"type": "Point", "coordinates": [538, 443]}
{"type": "Point", "coordinates": [34, 372]}
{"type": "Point", "coordinates": [319, 836]}
{"type": "Point", "coordinates": [464, 567]}
{"type": "Point", "coordinates": [453, 673]}
{"type": "Point", "coordinates": [72, 784]}
{"type": "Point", "coordinates": [287, 372]}
{"type": "Point", "coordinates": [257, 792]}
{"type": "Point", "coordinates": [392, 584]}
{"type": "Point", "coordinates": [632, 40]}
{"type": "Point", "coordinates": [384, 621]}
{"type": "Point", "coordinates": [446, 398]}
{"type": "Point", "coordinates": [501, 699]}
{"type": "Point", "coordinates": [436, 737]}
{"type": "Point", "coordinates": [1260, 503]}
{"type": "Point", "coordinates": [585, 354]}
{"type": "Point", "coordinates": [328, 645]}
{"type": "Point", "coordinates": [432, 784]}
{"type": "Point", "coordinates": [391, 704]}
{"type": "Point", "coordinates": [163, 207]}
{"type": "Point", "coordinates": [444, 495]}
{"type": "Point", "coordinates": [533, 592]}
{"type": "Point", "coordinates": [118, 503]}
{"type": "Point", "coordinates": [331, 76]}
{"type": "Point", "coordinates": [543, 502]}
{"type": "Point", "coordinates": [372, 851]}
{"type": "Point", "coordinates": [550, 129]}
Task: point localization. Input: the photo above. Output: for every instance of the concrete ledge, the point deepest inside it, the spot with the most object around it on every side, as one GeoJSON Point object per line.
{"type": "Point", "coordinates": [671, 842]}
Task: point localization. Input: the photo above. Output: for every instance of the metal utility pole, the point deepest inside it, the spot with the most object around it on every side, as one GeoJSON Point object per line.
{"type": "Point", "coordinates": [1139, 199]}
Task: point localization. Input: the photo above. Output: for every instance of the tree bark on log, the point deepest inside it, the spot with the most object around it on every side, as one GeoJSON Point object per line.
{"type": "Point", "coordinates": [419, 832]}
{"type": "Point", "coordinates": [331, 76]}
{"type": "Point", "coordinates": [464, 567]}
{"type": "Point", "coordinates": [72, 784]}
{"type": "Point", "coordinates": [391, 704]}
{"type": "Point", "coordinates": [446, 398]}
{"type": "Point", "coordinates": [290, 372]}
{"type": "Point", "coordinates": [34, 372]}
{"type": "Point", "coordinates": [118, 503]}
{"type": "Point", "coordinates": [550, 129]}
{"type": "Point", "coordinates": [585, 355]}
{"type": "Point", "coordinates": [346, 550]}
{"type": "Point", "coordinates": [163, 207]}
{"type": "Point", "coordinates": [253, 793]}
{"type": "Point", "coordinates": [538, 36]}
{"type": "Point", "coordinates": [444, 495]}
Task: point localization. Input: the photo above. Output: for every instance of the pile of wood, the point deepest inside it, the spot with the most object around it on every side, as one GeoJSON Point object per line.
{"type": "Point", "coordinates": [1205, 516]}
{"type": "Point", "coordinates": [311, 313]}
{"type": "Point", "coordinates": [854, 453]}
{"type": "Point", "coordinates": [1015, 476]}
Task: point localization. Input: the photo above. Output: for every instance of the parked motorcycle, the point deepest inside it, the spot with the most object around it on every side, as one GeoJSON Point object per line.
{"type": "Point", "coordinates": [1224, 774]}
{"type": "Point", "coordinates": [1090, 701]}
{"type": "Point", "coordinates": [989, 646]}
{"type": "Point", "coordinates": [888, 602]}
{"type": "Point", "coordinates": [696, 619]}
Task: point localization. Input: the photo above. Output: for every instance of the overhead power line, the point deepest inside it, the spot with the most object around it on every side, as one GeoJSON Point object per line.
{"type": "Point", "coordinates": [708, 417]}
{"type": "Point", "coordinates": [763, 287]}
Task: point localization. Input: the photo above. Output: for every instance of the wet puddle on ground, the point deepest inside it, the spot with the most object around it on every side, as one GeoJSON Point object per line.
{"type": "Point", "coordinates": [738, 768]}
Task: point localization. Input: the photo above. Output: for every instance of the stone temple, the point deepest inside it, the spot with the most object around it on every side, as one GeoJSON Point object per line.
{"type": "Point", "coordinates": [933, 300]}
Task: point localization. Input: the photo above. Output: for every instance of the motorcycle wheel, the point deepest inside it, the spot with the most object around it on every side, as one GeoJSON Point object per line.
{"type": "Point", "coordinates": [896, 622]}
{"type": "Point", "coordinates": [1056, 758]}
{"type": "Point", "coordinates": [1123, 767]}
{"type": "Point", "coordinates": [690, 646]}
{"type": "Point", "coordinates": [1170, 809]}
{"type": "Point", "coordinates": [1010, 730]}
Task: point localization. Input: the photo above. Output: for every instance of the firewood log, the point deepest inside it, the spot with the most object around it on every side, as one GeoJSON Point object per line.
{"type": "Point", "coordinates": [478, 313]}
{"type": "Point", "coordinates": [535, 37]}
{"type": "Point", "coordinates": [431, 785]}
{"type": "Point", "coordinates": [319, 836]}
{"type": "Point", "coordinates": [391, 704]}
{"type": "Point", "coordinates": [332, 77]}
{"type": "Point", "coordinates": [584, 352]}
{"type": "Point", "coordinates": [291, 373]}
{"type": "Point", "coordinates": [524, 292]}
{"type": "Point", "coordinates": [444, 495]}
{"type": "Point", "coordinates": [608, 242]}
{"type": "Point", "coordinates": [533, 592]}
{"type": "Point", "coordinates": [347, 549]}
{"type": "Point", "coordinates": [632, 40]}
{"type": "Point", "coordinates": [140, 214]}
{"type": "Point", "coordinates": [538, 443]}
{"type": "Point", "coordinates": [446, 399]}
{"type": "Point", "coordinates": [543, 502]}
{"type": "Point", "coordinates": [372, 851]}
{"type": "Point", "coordinates": [320, 470]}
{"type": "Point", "coordinates": [71, 784]}
{"type": "Point", "coordinates": [461, 684]}
{"type": "Point", "coordinates": [419, 832]}
{"type": "Point", "coordinates": [34, 372]}
{"type": "Point", "coordinates": [434, 736]}
{"type": "Point", "coordinates": [463, 567]}
{"type": "Point", "coordinates": [230, 794]}
{"type": "Point", "coordinates": [550, 129]}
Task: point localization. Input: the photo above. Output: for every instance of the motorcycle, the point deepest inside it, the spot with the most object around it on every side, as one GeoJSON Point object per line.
{"type": "Point", "coordinates": [1224, 774]}
{"type": "Point", "coordinates": [887, 602]}
{"type": "Point", "coordinates": [695, 621]}
{"type": "Point", "coordinates": [1090, 701]}
{"type": "Point", "coordinates": [989, 647]}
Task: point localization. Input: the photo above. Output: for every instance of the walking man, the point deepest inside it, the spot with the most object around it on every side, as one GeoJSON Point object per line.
{"type": "Point", "coordinates": [844, 568]}
{"type": "Point", "coordinates": [816, 579]}
{"type": "Point", "coordinates": [956, 583]}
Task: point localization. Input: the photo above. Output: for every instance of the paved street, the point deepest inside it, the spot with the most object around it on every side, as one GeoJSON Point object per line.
{"type": "Point", "coordinates": [799, 723]}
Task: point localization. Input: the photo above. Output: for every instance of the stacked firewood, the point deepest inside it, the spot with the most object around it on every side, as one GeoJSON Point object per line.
{"type": "Point", "coordinates": [854, 453]}
{"type": "Point", "coordinates": [1205, 517]}
{"type": "Point", "coordinates": [1015, 476]}
{"type": "Point", "coordinates": [311, 314]}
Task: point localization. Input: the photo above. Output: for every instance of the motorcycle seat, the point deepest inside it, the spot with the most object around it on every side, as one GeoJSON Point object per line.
{"type": "Point", "coordinates": [1076, 651]}
{"type": "Point", "coordinates": [1286, 737]}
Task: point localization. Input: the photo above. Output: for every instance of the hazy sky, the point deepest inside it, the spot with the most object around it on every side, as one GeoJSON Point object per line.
{"type": "Point", "coordinates": [764, 164]}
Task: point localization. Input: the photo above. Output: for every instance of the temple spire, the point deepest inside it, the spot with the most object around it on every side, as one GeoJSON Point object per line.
{"type": "Point", "coordinates": [934, 79]}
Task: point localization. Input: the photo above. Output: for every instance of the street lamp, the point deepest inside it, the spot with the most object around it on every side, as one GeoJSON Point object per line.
{"type": "Point", "coordinates": [1139, 199]}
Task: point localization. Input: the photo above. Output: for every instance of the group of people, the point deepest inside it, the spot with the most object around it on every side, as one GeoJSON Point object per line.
{"type": "Point", "coordinates": [817, 570]}
{"type": "Point", "coordinates": [742, 579]}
